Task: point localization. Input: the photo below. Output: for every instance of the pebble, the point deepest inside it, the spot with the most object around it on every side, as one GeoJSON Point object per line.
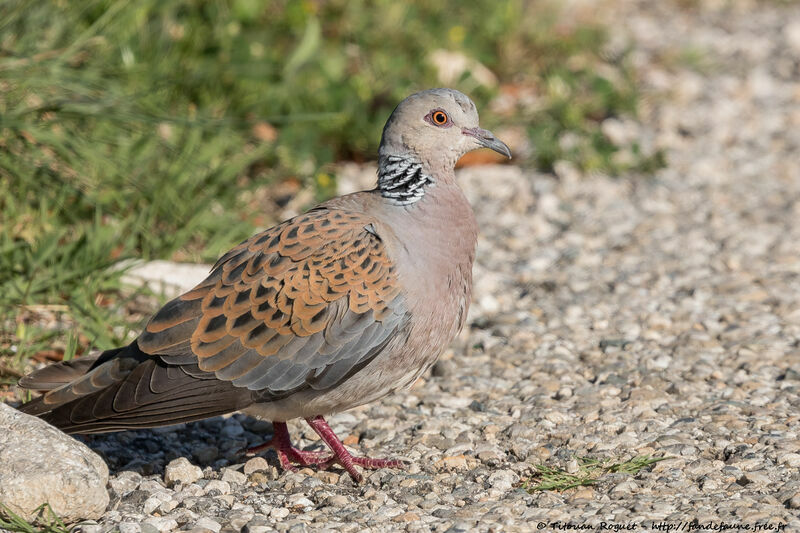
{"type": "Point", "coordinates": [299, 503]}
{"type": "Point", "coordinates": [208, 524]}
{"type": "Point", "coordinates": [256, 464]}
{"type": "Point", "coordinates": [147, 527]}
{"type": "Point", "coordinates": [330, 478]}
{"type": "Point", "coordinates": [232, 476]}
{"type": "Point", "coordinates": [181, 470]}
{"type": "Point", "coordinates": [168, 506]}
{"type": "Point", "coordinates": [792, 460]}
{"type": "Point", "coordinates": [626, 487]}
{"type": "Point", "coordinates": [259, 478]}
{"type": "Point", "coordinates": [162, 524]}
{"type": "Point", "coordinates": [337, 500]}
{"type": "Point", "coordinates": [238, 518]}
{"type": "Point", "coordinates": [279, 513]}
{"type": "Point", "coordinates": [458, 462]}
{"type": "Point", "coordinates": [125, 482]}
{"type": "Point", "coordinates": [151, 504]}
{"type": "Point", "coordinates": [217, 486]}
{"type": "Point", "coordinates": [94, 528]}
{"type": "Point", "coordinates": [129, 527]}
{"type": "Point", "coordinates": [794, 502]}
{"type": "Point", "coordinates": [257, 528]}
{"type": "Point", "coordinates": [406, 517]}
{"type": "Point", "coordinates": [503, 479]}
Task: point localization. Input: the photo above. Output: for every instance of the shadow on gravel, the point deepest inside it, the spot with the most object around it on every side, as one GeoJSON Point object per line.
{"type": "Point", "coordinates": [217, 442]}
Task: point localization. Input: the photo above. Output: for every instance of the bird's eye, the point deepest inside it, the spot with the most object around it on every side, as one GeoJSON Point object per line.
{"type": "Point", "coordinates": [439, 118]}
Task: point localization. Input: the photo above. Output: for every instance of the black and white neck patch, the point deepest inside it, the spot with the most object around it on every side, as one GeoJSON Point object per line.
{"type": "Point", "coordinates": [401, 179]}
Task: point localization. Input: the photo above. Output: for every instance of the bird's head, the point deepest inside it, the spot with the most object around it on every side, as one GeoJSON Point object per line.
{"type": "Point", "coordinates": [437, 126]}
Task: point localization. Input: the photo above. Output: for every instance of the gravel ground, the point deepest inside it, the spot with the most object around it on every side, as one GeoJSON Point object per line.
{"type": "Point", "coordinates": [655, 315]}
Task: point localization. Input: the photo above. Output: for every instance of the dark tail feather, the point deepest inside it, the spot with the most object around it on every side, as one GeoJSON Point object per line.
{"type": "Point", "coordinates": [131, 389]}
{"type": "Point", "coordinates": [88, 377]}
{"type": "Point", "coordinates": [57, 374]}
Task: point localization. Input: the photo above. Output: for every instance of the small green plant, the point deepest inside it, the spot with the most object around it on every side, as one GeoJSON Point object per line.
{"type": "Point", "coordinates": [47, 521]}
{"type": "Point", "coordinates": [589, 472]}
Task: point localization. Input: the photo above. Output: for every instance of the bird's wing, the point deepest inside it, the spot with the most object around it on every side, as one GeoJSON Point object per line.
{"type": "Point", "coordinates": [303, 304]}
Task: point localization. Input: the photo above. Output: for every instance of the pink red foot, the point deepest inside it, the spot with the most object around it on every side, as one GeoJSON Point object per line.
{"type": "Point", "coordinates": [342, 456]}
{"type": "Point", "coordinates": [288, 454]}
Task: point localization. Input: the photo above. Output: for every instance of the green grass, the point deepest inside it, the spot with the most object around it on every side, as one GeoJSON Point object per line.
{"type": "Point", "coordinates": [156, 129]}
{"type": "Point", "coordinates": [47, 521]}
{"type": "Point", "coordinates": [589, 472]}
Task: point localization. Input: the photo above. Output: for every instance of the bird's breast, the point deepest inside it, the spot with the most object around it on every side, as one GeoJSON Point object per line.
{"type": "Point", "coordinates": [435, 250]}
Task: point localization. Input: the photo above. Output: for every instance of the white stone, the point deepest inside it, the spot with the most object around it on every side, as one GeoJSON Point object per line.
{"type": "Point", "coordinates": [180, 470]}
{"type": "Point", "coordinates": [167, 277]}
{"type": "Point", "coordinates": [151, 504]}
{"type": "Point", "coordinates": [162, 524]}
{"type": "Point", "coordinates": [792, 460]}
{"type": "Point", "coordinates": [625, 487]}
{"type": "Point", "coordinates": [259, 529]}
{"type": "Point", "coordinates": [215, 484]}
{"type": "Point", "coordinates": [168, 506]}
{"type": "Point", "coordinates": [207, 523]}
{"type": "Point", "coordinates": [125, 482]}
{"type": "Point", "coordinates": [256, 464]}
{"type": "Point", "coordinates": [42, 464]}
{"type": "Point", "coordinates": [299, 500]}
{"type": "Point", "coordinates": [230, 475]}
{"type": "Point", "coordinates": [503, 480]}
{"type": "Point", "coordinates": [279, 513]}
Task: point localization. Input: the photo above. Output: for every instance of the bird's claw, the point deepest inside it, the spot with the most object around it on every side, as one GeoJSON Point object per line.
{"type": "Point", "coordinates": [289, 456]}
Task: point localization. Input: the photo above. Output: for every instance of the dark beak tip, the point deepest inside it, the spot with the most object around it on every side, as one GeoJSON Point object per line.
{"type": "Point", "coordinates": [487, 140]}
{"type": "Point", "coordinates": [500, 147]}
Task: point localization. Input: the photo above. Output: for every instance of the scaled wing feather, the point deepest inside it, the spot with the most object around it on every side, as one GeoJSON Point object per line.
{"type": "Point", "coordinates": [313, 296]}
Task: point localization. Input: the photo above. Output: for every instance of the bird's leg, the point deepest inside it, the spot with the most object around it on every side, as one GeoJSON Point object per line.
{"type": "Point", "coordinates": [281, 442]}
{"type": "Point", "coordinates": [342, 456]}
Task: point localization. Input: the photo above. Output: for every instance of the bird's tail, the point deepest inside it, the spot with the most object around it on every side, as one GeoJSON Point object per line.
{"type": "Point", "coordinates": [126, 388]}
{"type": "Point", "coordinates": [66, 381]}
{"type": "Point", "coordinates": [55, 375]}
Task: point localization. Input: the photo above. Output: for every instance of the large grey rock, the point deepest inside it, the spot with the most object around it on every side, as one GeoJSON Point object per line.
{"type": "Point", "coordinates": [40, 464]}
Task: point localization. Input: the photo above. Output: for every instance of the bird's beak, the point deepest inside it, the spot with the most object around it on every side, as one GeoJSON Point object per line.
{"type": "Point", "coordinates": [487, 139]}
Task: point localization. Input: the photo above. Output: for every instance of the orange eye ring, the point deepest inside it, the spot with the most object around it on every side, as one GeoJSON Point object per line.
{"type": "Point", "coordinates": [439, 118]}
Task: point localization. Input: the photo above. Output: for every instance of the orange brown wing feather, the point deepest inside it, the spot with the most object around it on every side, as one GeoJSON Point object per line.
{"type": "Point", "coordinates": [282, 309]}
